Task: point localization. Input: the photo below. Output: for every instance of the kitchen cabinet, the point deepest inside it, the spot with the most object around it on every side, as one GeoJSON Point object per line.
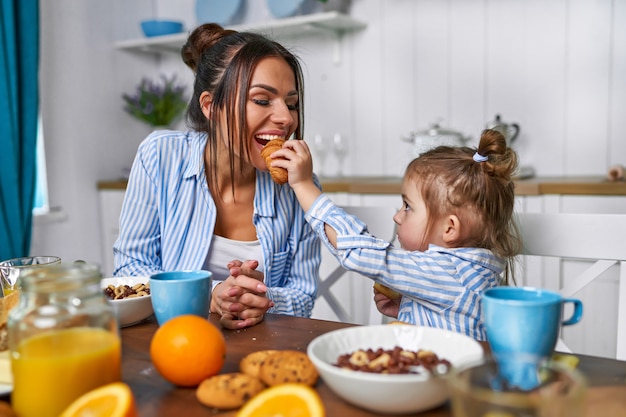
{"type": "Point", "coordinates": [307, 25]}
{"type": "Point", "coordinates": [110, 208]}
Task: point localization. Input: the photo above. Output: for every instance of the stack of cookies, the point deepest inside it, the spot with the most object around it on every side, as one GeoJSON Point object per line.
{"type": "Point", "coordinates": [258, 370]}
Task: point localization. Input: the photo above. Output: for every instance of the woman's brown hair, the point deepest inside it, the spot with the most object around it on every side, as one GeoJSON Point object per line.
{"type": "Point", "coordinates": [223, 62]}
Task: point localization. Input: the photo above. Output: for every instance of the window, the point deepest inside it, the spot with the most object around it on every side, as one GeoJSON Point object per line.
{"type": "Point", "coordinates": [40, 205]}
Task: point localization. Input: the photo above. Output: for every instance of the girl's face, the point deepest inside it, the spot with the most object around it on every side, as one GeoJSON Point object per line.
{"type": "Point", "coordinates": [272, 107]}
{"type": "Point", "coordinates": [412, 218]}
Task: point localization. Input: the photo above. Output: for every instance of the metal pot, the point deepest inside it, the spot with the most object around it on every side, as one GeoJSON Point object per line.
{"type": "Point", "coordinates": [434, 136]}
{"type": "Point", "coordinates": [509, 130]}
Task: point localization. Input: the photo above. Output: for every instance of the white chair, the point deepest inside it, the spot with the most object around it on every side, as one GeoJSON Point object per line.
{"type": "Point", "coordinates": [352, 300]}
{"type": "Point", "coordinates": [599, 241]}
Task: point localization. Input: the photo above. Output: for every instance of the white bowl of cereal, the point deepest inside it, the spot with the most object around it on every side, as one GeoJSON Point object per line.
{"type": "Point", "coordinates": [413, 388]}
{"type": "Point", "coordinates": [129, 297]}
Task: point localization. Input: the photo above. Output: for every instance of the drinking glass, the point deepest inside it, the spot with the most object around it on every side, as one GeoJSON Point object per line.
{"type": "Point", "coordinates": [321, 150]}
{"type": "Point", "coordinates": [340, 148]}
{"type": "Point", "coordinates": [481, 390]}
{"type": "Point", "coordinates": [12, 269]}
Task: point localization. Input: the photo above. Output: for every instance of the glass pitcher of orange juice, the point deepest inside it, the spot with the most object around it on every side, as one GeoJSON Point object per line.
{"type": "Point", "coordinates": [63, 338]}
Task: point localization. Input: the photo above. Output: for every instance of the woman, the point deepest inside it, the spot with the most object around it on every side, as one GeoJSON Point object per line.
{"type": "Point", "coordinates": [204, 198]}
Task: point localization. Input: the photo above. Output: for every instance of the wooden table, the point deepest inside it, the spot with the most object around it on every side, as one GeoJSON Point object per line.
{"type": "Point", "coordinates": [156, 397]}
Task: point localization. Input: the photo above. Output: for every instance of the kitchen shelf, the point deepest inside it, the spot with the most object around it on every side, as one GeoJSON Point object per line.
{"type": "Point", "coordinates": [306, 25]}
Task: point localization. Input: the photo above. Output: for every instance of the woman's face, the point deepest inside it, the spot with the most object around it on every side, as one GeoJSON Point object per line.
{"type": "Point", "coordinates": [412, 218]}
{"type": "Point", "coordinates": [272, 106]}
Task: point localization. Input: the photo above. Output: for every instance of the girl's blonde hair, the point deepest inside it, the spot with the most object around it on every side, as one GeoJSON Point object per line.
{"type": "Point", "coordinates": [476, 185]}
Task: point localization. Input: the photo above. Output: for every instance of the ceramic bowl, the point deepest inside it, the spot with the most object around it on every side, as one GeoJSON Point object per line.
{"type": "Point", "coordinates": [161, 27]}
{"type": "Point", "coordinates": [391, 393]}
{"type": "Point", "coordinates": [129, 311]}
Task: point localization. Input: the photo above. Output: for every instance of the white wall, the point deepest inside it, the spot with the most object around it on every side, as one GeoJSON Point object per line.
{"type": "Point", "coordinates": [556, 67]}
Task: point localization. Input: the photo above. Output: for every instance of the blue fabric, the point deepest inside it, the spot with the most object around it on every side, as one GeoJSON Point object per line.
{"type": "Point", "coordinates": [19, 105]}
{"type": "Point", "coordinates": [169, 215]}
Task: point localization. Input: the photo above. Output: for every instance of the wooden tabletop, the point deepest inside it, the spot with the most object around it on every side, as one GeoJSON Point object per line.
{"type": "Point", "coordinates": [156, 397]}
{"type": "Point", "coordinates": [589, 185]}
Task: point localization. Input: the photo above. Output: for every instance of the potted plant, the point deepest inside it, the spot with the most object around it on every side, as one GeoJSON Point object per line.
{"type": "Point", "coordinates": [157, 103]}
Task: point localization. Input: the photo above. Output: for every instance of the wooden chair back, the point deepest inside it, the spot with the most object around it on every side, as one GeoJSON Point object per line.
{"type": "Point", "coordinates": [351, 299]}
{"type": "Point", "coordinates": [595, 247]}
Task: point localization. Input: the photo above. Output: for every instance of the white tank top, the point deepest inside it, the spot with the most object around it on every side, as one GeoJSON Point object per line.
{"type": "Point", "coordinates": [224, 250]}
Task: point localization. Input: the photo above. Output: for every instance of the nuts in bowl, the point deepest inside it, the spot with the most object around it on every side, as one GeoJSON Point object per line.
{"type": "Point", "coordinates": [129, 297]}
{"type": "Point", "coordinates": [386, 390]}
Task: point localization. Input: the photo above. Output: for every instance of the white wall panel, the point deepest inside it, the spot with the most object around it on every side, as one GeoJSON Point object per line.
{"type": "Point", "coordinates": [617, 86]}
{"type": "Point", "coordinates": [468, 52]}
{"type": "Point", "coordinates": [503, 72]}
{"type": "Point", "coordinates": [587, 74]}
{"type": "Point", "coordinates": [367, 92]}
{"type": "Point", "coordinates": [432, 70]}
{"type": "Point", "coordinates": [318, 56]}
{"type": "Point", "coordinates": [398, 84]}
{"type": "Point", "coordinates": [542, 137]}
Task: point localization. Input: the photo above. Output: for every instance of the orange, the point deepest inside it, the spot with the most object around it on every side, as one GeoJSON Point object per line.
{"type": "Point", "coordinates": [187, 349]}
{"type": "Point", "coordinates": [284, 400]}
{"type": "Point", "coordinates": [111, 400]}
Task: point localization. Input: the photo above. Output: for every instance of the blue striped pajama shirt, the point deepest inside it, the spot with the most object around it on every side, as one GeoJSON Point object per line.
{"type": "Point", "coordinates": [440, 287]}
{"type": "Point", "coordinates": [168, 218]}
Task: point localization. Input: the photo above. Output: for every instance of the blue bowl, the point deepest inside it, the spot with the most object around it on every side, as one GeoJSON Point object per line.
{"type": "Point", "coordinates": [161, 27]}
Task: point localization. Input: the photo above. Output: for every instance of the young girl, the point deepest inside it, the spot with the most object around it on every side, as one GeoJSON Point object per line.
{"type": "Point", "coordinates": [455, 228]}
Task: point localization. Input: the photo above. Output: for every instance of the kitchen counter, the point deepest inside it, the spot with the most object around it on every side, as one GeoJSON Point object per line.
{"type": "Point", "coordinates": [591, 185]}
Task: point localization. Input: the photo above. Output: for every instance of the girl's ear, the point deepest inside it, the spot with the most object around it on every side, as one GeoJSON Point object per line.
{"type": "Point", "coordinates": [205, 103]}
{"type": "Point", "coordinates": [451, 229]}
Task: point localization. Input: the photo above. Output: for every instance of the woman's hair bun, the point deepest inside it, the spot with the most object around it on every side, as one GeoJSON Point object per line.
{"type": "Point", "coordinates": [202, 38]}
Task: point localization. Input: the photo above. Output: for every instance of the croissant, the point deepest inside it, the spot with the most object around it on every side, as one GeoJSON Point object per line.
{"type": "Point", "coordinates": [279, 175]}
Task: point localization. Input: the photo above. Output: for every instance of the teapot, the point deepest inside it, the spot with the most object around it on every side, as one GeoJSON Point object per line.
{"type": "Point", "coordinates": [509, 130]}
{"type": "Point", "coordinates": [434, 136]}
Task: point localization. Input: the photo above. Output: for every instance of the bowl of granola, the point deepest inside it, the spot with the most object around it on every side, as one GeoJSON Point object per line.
{"type": "Point", "coordinates": [391, 368]}
{"type": "Point", "coordinates": [129, 297]}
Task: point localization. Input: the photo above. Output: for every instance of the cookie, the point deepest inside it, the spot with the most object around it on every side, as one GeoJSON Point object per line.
{"type": "Point", "coordinates": [388, 292]}
{"type": "Point", "coordinates": [288, 366]}
{"type": "Point", "coordinates": [251, 363]}
{"type": "Point", "coordinates": [228, 391]}
{"type": "Point", "coordinates": [279, 175]}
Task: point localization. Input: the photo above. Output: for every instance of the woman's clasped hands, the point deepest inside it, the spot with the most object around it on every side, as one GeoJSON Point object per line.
{"type": "Point", "coordinates": [241, 299]}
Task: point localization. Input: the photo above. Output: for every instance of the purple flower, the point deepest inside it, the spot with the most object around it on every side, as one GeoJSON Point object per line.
{"type": "Point", "coordinates": [157, 103]}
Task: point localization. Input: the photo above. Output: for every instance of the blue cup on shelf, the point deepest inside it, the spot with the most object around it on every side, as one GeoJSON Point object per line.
{"type": "Point", "coordinates": [157, 27]}
{"type": "Point", "coordinates": [523, 323]}
{"type": "Point", "coordinates": [176, 293]}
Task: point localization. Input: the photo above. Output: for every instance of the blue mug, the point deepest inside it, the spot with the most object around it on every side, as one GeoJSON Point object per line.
{"type": "Point", "coordinates": [524, 321]}
{"type": "Point", "coordinates": [176, 293]}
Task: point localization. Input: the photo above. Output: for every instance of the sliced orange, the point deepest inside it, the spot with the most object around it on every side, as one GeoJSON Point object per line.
{"type": "Point", "coordinates": [111, 400]}
{"type": "Point", "coordinates": [284, 400]}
